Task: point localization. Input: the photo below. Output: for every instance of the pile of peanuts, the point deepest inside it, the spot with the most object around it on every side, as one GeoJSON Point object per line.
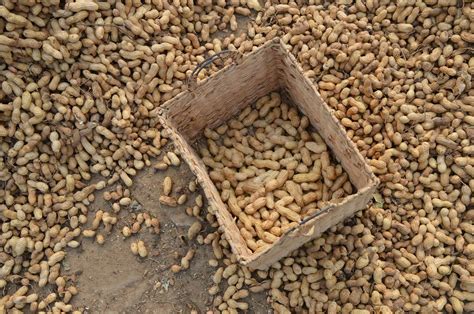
{"type": "Point", "coordinates": [80, 82]}
{"type": "Point", "coordinates": [271, 169]}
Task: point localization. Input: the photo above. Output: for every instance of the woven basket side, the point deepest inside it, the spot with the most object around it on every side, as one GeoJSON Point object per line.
{"type": "Point", "coordinates": [303, 93]}
{"type": "Point", "coordinates": [310, 230]}
{"type": "Point", "coordinates": [221, 96]}
{"type": "Point", "coordinates": [217, 207]}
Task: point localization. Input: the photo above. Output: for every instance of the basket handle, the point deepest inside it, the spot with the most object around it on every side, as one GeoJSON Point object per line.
{"type": "Point", "coordinates": [192, 79]}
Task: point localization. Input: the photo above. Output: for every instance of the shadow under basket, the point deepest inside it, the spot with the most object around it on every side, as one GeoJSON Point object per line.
{"type": "Point", "coordinates": [220, 97]}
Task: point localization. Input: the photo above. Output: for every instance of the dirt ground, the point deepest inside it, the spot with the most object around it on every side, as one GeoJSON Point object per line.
{"type": "Point", "coordinates": [110, 279]}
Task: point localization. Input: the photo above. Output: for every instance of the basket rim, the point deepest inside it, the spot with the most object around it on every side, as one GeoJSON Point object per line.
{"type": "Point", "coordinates": [372, 180]}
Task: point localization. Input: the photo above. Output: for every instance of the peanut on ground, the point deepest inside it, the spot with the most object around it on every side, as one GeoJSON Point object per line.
{"type": "Point", "coordinates": [80, 82]}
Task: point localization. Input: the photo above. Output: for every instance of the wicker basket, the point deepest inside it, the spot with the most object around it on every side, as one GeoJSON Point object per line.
{"type": "Point", "coordinates": [215, 100]}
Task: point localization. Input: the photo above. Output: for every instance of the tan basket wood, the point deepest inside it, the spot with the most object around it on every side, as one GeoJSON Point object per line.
{"type": "Point", "coordinates": [218, 98]}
